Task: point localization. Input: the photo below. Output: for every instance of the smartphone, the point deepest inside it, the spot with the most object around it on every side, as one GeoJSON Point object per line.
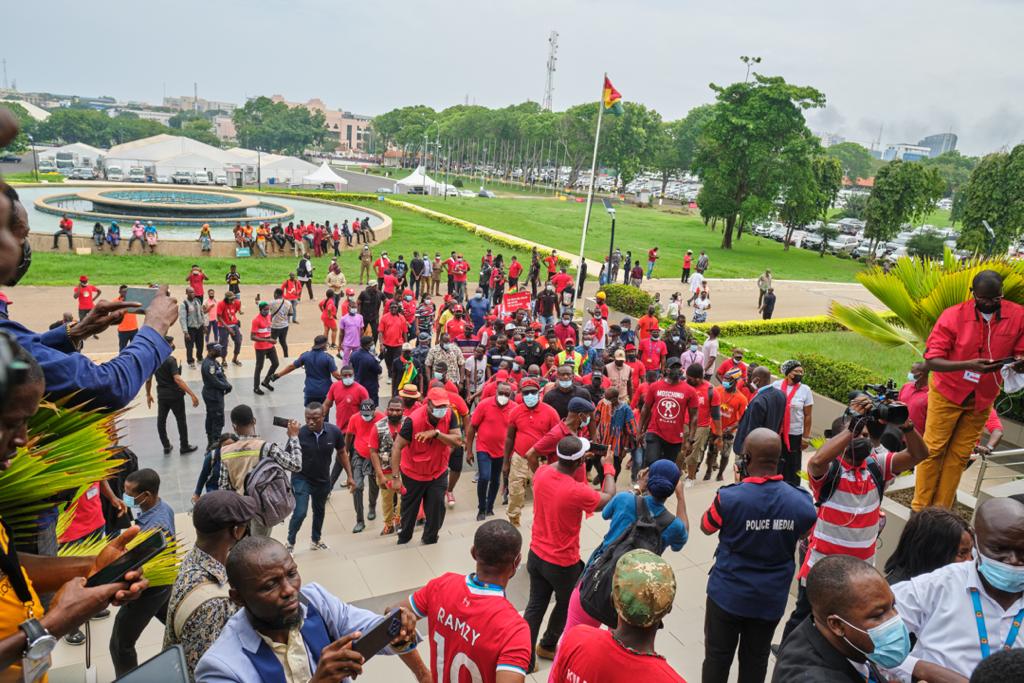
{"type": "Point", "coordinates": [144, 295]}
{"type": "Point", "coordinates": [1004, 361]}
{"type": "Point", "coordinates": [380, 636]}
{"type": "Point", "coordinates": [167, 667]}
{"type": "Point", "coordinates": [130, 561]}
{"type": "Point", "coordinates": [281, 421]}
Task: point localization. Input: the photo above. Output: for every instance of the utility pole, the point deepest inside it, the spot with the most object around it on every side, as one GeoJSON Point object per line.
{"type": "Point", "coordinates": [195, 97]}
{"type": "Point", "coordinates": [549, 82]}
{"type": "Point", "coordinates": [5, 72]}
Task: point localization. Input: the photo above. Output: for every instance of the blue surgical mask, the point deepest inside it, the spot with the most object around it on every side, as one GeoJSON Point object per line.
{"type": "Point", "coordinates": [585, 422]}
{"type": "Point", "coordinates": [693, 347]}
{"type": "Point", "coordinates": [531, 400]}
{"type": "Point", "coordinates": [438, 375]}
{"type": "Point", "coordinates": [128, 500]}
{"type": "Point", "coordinates": [565, 383]}
{"type": "Point", "coordinates": [366, 417]}
{"type": "Point", "coordinates": [1002, 576]}
{"type": "Point", "coordinates": [910, 377]}
{"type": "Point", "coordinates": [728, 385]}
{"type": "Point", "coordinates": [891, 641]}
{"type": "Point", "coordinates": [439, 412]}
{"type": "Point", "coordinates": [348, 381]}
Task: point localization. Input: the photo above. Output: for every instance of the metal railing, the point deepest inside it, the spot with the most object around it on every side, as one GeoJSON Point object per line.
{"type": "Point", "coordinates": [985, 462]}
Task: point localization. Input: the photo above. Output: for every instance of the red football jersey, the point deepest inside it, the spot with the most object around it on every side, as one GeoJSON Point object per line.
{"type": "Point", "coordinates": [474, 630]}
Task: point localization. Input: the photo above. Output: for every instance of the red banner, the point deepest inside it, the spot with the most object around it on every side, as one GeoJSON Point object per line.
{"type": "Point", "coordinates": [513, 302]}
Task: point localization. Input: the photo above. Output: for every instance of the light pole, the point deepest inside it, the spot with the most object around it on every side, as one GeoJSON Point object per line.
{"type": "Point", "coordinates": [259, 169]}
{"type": "Point", "coordinates": [611, 243]}
{"type": "Point", "coordinates": [35, 162]}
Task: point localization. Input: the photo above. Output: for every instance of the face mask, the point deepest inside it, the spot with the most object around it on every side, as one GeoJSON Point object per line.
{"type": "Point", "coordinates": [585, 422]}
{"type": "Point", "coordinates": [366, 418]}
{"type": "Point", "coordinates": [620, 363]}
{"type": "Point", "coordinates": [409, 402]}
{"type": "Point", "coordinates": [438, 375]}
{"type": "Point", "coordinates": [132, 504]}
{"type": "Point", "coordinates": [565, 321]}
{"type": "Point", "coordinates": [531, 400]}
{"type": "Point", "coordinates": [911, 377]}
{"type": "Point", "coordinates": [586, 343]}
{"type": "Point", "coordinates": [501, 400]}
{"type": "Point", "coordinates": [478, 295]}
{"type": "Point", "coordinates": [737, 359]}
{"type": "Point", "coordinates": [675, 337]}
{"type": "Point", "coordinates": [728, 385]}
{"type": "Point", "coordinates": [408, 298]}
{"type": "Point", "coordinates": [23, 264]}
{"type": "Point", "coordinates": [891, 641]}
{"type": "Point", "coordinates": [797, 379]}
{"type": "Point", "coordinates": [631, 357]}
{"type": "Point", "coordinates": [987, 308]}
{"type": "Point", "coordinates": [565, 383]}
{"type": "Point", "coordinates": [693, 348]}
{"type": "Point", "coordinates": [1002, 576]}
{"type": "Point", "coordinates": [515, 367]}
{"type": "Point", "coordinates": [439, 413]}
{"type": "Point", "coordinates": [394, 419]}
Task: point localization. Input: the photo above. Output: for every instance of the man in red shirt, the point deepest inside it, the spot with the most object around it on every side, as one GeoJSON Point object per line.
{"type": "Point", "coordinates": [389, 283]}
{"type": "Point", "coordinates": [485, 436]}
{"type": "Point", "coordinates": [652, 257]}
{"type": "Point", "coordinates": [551, 261]}
{"type": "Point", "coordinates": [381, 440]}
{"type": "Point", "coordinates": [361, 426]}
{"type": "Point", "coordinates": [643, 590]}
{"type": "Point", "coordinates": [709, 420]}
{"type": "Point", "coordinates": [669, 406]}
{"type": "Point", "coordinates": [733, 361]}
{"type": "Point", "coordinates": [646, 324]}
{"type": "Point", "coordinates": [732, 404]}
{"type": "Point", "coordinates": [559, 502]}
{"type": "Point", "coordinates": [292, 290]}
{"type": "Point", "coordinates": [259, 333]}
{"type": "Point", "coordinates": [653, 351]}
{"type": "Point", "coordinates": [965, 352]}
{"type": "Point", "coordinates": [561, 280]}
{"type": "Point", "coordinates": [515, 269]}
{"type": "Point", "coordinates": [420, 456]}
{"type": "Point", "coordinates": [196, 278]}
{"type": "Point", "coordinates": [497, 645]}
{"type": "Point", "coordinates": [227, 320]}
{"type": "Point", "coordinates": [526, 424]}
{"type": "Point", "coordinates": [394, 328]}
{"type": "Point", "coordinates": [86, 295]}
{"type": "Point", "coordinates": [63, 229]}
{"type": "Point", "coordinates": [345, 395]}
{"type": "Point", "coordinates": [459, 270]}
{"type": "Point", "coordinates": [601, 305]}
{"type": "Point", "coordinates": [380, 266]}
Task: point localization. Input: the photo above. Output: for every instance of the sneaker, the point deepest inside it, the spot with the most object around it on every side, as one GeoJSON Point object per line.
{"type": "Point", "coordinates": [707, 475]}
{"type": "Point", "coordinates": [545, 653]}
{"type": "Point", "coordinates": [189, 448]}
{"type": "Point", "coordinates": [504, 498]}
{"type": "Point", "coordinates": [266, 383]}
{"type": "Point", "coordinates": [719, 477]}
{"type": "Point", "coordinates": [358, 527]}
{"type": "Point", "coordinates": [290, 547]}
{"type": "Point", "coordinates": [450, 499]}
{"type": "Point", "coordinates": [388, 529]}
{"type": "Point", "coordinates": [236, 362]}
{"type": "Point", "coordinates": [76, 637]}
{"type": "Point", "coordinates": [258, 391]}
{"type": "Point", "coordinates": [371, 515]}
{"type": "Point", "coordinates": [688, 484]}
{"type": "Point", "coordinates": [167, 450]}
{"type": "Point", "coordinates": [192, 366]}
{"type": "Point", "coordinates": [480, 516]}
{"type": "Point", "coordinates": [318, 545]}
{"type": "Point", "coordinates": [476, 478]}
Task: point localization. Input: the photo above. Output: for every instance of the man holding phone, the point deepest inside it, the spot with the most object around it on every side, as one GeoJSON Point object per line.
{"type": "Point", "coordinates": [277, 609]}
{"type": "Point", "coordinates": [227, 321]}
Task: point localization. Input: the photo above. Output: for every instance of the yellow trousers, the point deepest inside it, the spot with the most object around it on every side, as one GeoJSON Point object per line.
{"type": "Point", "coordinates": [950, 434]}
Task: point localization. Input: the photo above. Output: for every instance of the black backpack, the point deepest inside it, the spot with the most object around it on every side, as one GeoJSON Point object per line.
{"type": "Point", "coordinates": [596, 584]}
{"type": "Point", "coordinates": [831, 482]}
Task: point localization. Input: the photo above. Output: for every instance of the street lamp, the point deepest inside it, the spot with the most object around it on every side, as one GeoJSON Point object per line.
{"type": "Point", "coordinates": [611, 243]}
{"type": "Point", "coordinates": [259, 169]}
{"type": "Point", "coordinates": [35, 163]}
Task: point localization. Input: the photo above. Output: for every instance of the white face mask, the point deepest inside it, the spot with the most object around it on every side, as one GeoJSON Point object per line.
{"type": "Point", "coordinates": [348, 381]}
{"type": "Point", "coordinates": [501, 400]}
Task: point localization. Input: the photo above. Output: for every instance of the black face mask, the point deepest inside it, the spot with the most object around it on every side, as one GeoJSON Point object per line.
{"type": "Point", "coordinates": [987, 308]}
{"type": "Point", "coordinates": [394, 419]}
{"type": "Point", "coordinates": [797, 379]}
{"type": "Point", "coordinates": [409, 402]}
{"type": "Point", "coordinates": [23, 264]}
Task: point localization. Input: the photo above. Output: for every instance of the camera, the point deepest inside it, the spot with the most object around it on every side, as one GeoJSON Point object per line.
{"type": "Point", "coordinates": [885, 407]}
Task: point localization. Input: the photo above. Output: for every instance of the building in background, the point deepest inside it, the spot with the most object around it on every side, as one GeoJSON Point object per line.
{"type": "Point", "coordinates": [349, 132]}
{"type": "Point", "coordinates": [906, 152]}
{"type": "Point", "coordinates": [829, 139]}
{"type": "Point", "coordinates": [939, 144]}
{"type": "Point", "coordinates": [190, 103]}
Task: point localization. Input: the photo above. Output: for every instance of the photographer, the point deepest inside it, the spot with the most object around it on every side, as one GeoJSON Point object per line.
{"type": "Point", "coordinates": [850, 472]}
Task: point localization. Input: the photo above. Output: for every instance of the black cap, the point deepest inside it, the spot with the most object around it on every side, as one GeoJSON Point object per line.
{"type": "Point", "coordinates": [219, 510]}
{"type": "Point", "coordinates": [674, 360]}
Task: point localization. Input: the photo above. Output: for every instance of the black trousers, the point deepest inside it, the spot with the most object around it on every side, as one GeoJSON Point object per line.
{"type": "Point", "coordinates": [61, 233]}
{"type": "Point", "coordinates": [194, 341]}
{"type": "Point", "coordinates": [722, 631]}
{"type": "Point", "coordinates": [656, 448]}
{"type": "Point", "coordinates": [280, 335]}
{"type": "Point", "coordinates": [176, 406]}
{"type": "Point", "coordinates": [390, 354]}
{"type": "Point", "coordinates": [686, 276]}
{"type": "Point", "coordinates": [547, 579]}
{"type": "Point", "coordinates": [801, 610]}
{"type": "Point", "coordinates": [431, 494]}
{"type": "Point", "coordinates": [236, 336]}
{"type": "Point", "coordinates": [261, 356]}
{"type": "Point", "coordinates": [792, 460]}
{"type": "Point", "coordinates": [129, 623]}
{"type": "Point", "coordinates": [309, 288]}
{"type": "Point", "coordinates": [125, 338]}
{"type": "Point", "coordinates": [214, 417]}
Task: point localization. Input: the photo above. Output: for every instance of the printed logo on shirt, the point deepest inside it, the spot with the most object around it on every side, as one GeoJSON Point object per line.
{"type": "Point", "coordinates": [668, 409]}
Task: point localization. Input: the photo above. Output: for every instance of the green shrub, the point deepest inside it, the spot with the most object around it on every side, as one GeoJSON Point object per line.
{"type": "Point", "coordinates": [835, 378]}
{"type": "Point", "coordinates": [627, 299]}
{"type": "Point", "coordinates": [457, 182]}
{"type": "Point", "coordinates": [747, 328]}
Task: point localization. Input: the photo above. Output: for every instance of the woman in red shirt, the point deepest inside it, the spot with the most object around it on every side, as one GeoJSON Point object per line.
{"type": "Point", "coordinates": [263, 342]}
{"type": "Point", "coordinates": [329, 317]}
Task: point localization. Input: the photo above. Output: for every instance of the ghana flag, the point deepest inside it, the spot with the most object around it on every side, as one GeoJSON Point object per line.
{"type": "Point", "coordinates": [612, 98]}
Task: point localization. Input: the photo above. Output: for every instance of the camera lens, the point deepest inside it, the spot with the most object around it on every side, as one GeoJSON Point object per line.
{"type": "Point", "coordinates": [893, 413]}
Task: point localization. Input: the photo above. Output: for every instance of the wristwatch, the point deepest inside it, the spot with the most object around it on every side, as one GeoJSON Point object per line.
{"type": "Point", "coordinates": [39, 641]}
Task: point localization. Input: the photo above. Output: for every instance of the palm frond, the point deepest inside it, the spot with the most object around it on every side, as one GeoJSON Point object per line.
{"type": "Point", "coordinates": [162, 570]}
{"type": "Point", "coordinates": [869, 323]}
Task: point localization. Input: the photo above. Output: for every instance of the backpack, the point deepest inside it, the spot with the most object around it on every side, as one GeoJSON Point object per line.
{"type": "Point", "coordinates": [596, 584]}
{"type": "Point", "coordinates": [831, 482]}
{"type": "Point", "coordinates": [263, 478]}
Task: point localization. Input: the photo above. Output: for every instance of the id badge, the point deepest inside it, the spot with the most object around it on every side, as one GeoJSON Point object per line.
{"type": "Point", "coordinates": [34, 669]}
{"type": "Point", "coordinates": [973, 377]}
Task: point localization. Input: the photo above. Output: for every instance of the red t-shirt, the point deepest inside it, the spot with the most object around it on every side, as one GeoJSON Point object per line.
{"type": "Point", "coordinates": [651, 353]}
{"type": "Point", "coordinates": [917, 404]}
{"type": "Point", "coordinates": [86, 297]}
{"type": "Point", "coordinates": [531, 424]}
{"type": "Point", "coordinates": [459, 271]}
{"type": "Point", "coordinates": [475, 632]}
{"type": "Point", "coordinates": [88, 515]}
{"type": "Point", "coordinates": [670, 404]}
{"type": "Point", "coordinates": [491, 423]}
{"type": "Point", "coordinates": [559, 502]}
{"type": "Point", "coordinates": [592, 654]}
{"type": "Point", "coordinates": [561, 281]}
{"type": "Point", "coordinates": [514, 269]}
{"type": "Point", "coordinates": [346, 401]}
{"type": "Point", "coordinates": [644, 326]}
{"type": "Point", "coordinates": [292, 289]}
{"type": "Point", "coordinates": [552, 263]}
{"type": "Point", "coordinates": [261, 330]}
{"type": "Point", "coordinates": [390, 283]}
{"type": "Point", "coordinates": [455, 327]}
{"type": "Point", "coordinates": [703, 407]}
{"type": "Point", "coordinates": [424, 460]}
{"type": "Point", "coordinates": [652, 254]}
{"type": "Point", "coordinates": [393, 329]}
{"type": "Point", "coordinates": [360, 430]}
{"type": "Point", "coordinates": [380, 265]}
{"type": "Point", "coordinates": [196, 282]}
{"type": "Point", "coordinates": [227, 314]}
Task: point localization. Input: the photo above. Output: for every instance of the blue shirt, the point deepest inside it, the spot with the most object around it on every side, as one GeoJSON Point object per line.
{"type": "Point", "coordinates": [365, 369]}
{"type": "Point", "coordinates": [478, 308]}
{"type": "Point", "coordinates": [111, 385]}
{"type": "Point", "coordinates": [759, 522]}
{"type": "Point", "coordinates": [319, 365]}
{"type": "Point", "coordinates": [209, 475]}
{"type": "Point", "coordinates": [226, 660]}
{"type": "Point", "coordinates": [160, 516]}
{"type": "Point", "coordinates": [621, 510]}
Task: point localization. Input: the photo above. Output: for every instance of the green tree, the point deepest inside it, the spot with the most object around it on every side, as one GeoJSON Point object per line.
{"type": "Point", "coordinates": [926, 244]}
{"type": "Point", "coordinates": [678, 143]}
{"type": "Point", "coordinates": [856, 160]}
{"type": "Point", "coordinates": [954, 168]}
{"type": "Point", "coordinates": [200, 129]}
{"type": "Point", "coordinates": [856, 203]}
{"type": "Point", "coordinates": [68, 125]}
{"type": "Point", "coordinates": [276, 127]}
{"type": "Point", "coordinates": [628, 142]}
{"type": "Point", "coordinates": [903, 192]}
{"type": "Point", "coordinates": [748, 146]}
{"type": "Point", "coordinates": [994, 193]}
{"type": "Point", "coordinates": [182, 117]}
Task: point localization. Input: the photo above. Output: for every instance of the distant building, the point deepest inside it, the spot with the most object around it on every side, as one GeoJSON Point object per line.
{"type": "Point", "coordinates": [348, 131]}
{"type": "Point", "coordinates": [939, 144]}
{"type": "Point", "coordinates": [163, 117]}
{"type": "Point", "coordinates": [906, 152]}
{"type": "Point", "coordinates": [829, 139]}
{"type": "Point", "coordinates": [224, 127]}
{"type": "Point", "coordinates": [190, 103]}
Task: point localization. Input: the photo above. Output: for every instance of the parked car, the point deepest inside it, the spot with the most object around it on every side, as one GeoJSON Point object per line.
{"type": "Point", "coordinates": [486, 194]}
{"type": "Point", "coordinates": [762, 230]}
{"type": "Point", "coordinates": [220, 179]}
{"type": "Point", "coordinates": [114, 173]}
{"type": "Point", "coordinates": [384, 190]}
{"type": "Point", "coordinates": [47, 166]}
{"type": "Point", "coordinates": [181, 178]}
{"type": "Point", "coordinates": [863, 250]}
{"type": "Point", "coordinates": [201, 178]}
{"type": "Point", "coordinates": [136, 175]}
{"type": "Point", "coordinates": [82, 173]}
{"type": "Point", "coordinates": [417, 189]}
{"type": "Point", "coordinates": [842, 244]}
{"type": "Point", "coordinates": [467, 193]}
{"type": "Point", "coordinates": [9, 159]}
{"type": "Point", "coordinates": [163, 179]}
{"type": "Point", "coordinates": [812, 242]}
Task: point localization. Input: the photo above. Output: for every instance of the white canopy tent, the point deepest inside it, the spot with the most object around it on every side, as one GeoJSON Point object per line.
{"type": "Point", "coordinates": [324, 176]}
{"type": "Point", "coordinates": [418, 178]}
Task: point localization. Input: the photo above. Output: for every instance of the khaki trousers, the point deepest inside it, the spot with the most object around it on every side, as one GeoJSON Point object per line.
{"type": "Point", "coordinates": [519, 477]}
{"type": "Point", "coordinates": [950, 435]}
{"type": "Point", "coordinates": [696, 453]}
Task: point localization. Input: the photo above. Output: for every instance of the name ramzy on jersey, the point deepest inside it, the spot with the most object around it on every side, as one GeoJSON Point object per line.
{"type": "Point", "coordinates": [457, 625]}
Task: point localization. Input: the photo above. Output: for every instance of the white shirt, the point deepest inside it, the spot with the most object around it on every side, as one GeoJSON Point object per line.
{"type": "Point", "coordinates": [710, 353]}
{"type": "Point", "coordinates": [702, 304]}
{"type": "Point", "coordinates": [937, 607]}
{"type": "Point", "coordinates": [802, 397]}
{"type": "Point", "coordinates": [475, 371]}
{"type": "Point", "coordinates": [696, 282]}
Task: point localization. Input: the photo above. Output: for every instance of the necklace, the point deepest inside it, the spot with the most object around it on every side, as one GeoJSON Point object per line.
{"type": "Point", "coordinates": [633, 651]}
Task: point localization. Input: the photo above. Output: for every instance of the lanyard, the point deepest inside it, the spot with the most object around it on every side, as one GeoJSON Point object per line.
{"type": "Point", "coordinates": [983, 630]}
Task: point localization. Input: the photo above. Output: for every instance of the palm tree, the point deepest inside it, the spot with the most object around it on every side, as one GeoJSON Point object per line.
{"type": "Point", "coordinates": [917, 291]}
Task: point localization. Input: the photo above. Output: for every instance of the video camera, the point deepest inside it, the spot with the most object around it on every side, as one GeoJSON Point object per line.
{"type": "Point", "coordinates": [885, 408]}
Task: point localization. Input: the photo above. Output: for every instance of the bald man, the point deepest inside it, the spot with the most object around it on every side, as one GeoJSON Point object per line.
{"type": "Point", "coordinates": [940, 606]}
{"type": "Point", "coordinates": [759, 521]}
{"type": "Point", "coordinates": [766, 408]}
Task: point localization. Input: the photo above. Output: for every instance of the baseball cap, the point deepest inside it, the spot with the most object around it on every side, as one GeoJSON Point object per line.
{"type": "Point", "coordinates": [630, 347]}
{"type": "Point", "coordinates": [438, 396]}
{"type": "Point", "coordinates": [620, 354]}
{"type": "Point", "coordinates": [222, 509]}
{"type": "Point", "coordinates": [83, 278]}
{"type": "Point", "coordinates": [529, 384]}
{"type": "Point", "coordinates": [601, 295]}
{"type": "Point", "coordinates": [643, 588]}
{"type": "Point", "coordinates": [673, 361]}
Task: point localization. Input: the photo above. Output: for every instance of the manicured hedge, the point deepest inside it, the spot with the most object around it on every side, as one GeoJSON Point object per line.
{"type": "Point", "coordinates": [836, 378]}
{"type": "Point", "coordinates": [628, 299]}
{"type": "Point", "coordinates": [746, 328]}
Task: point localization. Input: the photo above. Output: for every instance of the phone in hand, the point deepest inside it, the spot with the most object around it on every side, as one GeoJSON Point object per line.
{"type": "Point", "coordinates": [144, 295]}
{"type": "Point", "coordinates": [281, 421]}
{"type": "Point", "coordinates": [130, 561]}
{"type": "Point", "coordinates": [380, 636]}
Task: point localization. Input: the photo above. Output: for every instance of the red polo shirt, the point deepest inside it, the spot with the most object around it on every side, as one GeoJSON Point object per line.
{"type": "Point", "coordinates": [961, 333]}
{"type": "Point", "coordinates": [360, 430]}
{"type": "Point", "coordinates": [916, 399]}
{"type": "Point", "coordinates": [346, 401]}
{"type": "Point", "coordinates": [261, 330]}
{"type": "Point", "coordinates": [393, 329]}
{"type": "Point", "coordinates": [424, 460]}
{"type": "Point", "coordinates": [491, 422]}
{"type": "Point", "coordinates": [531, 424]}
{"type": "Point", "coordinates": [227, 314]}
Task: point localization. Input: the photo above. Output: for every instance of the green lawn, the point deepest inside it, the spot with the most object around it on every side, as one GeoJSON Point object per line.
{"type": "Point", "coordinates": [30, 177]}
{"type": "Point", "coordinates": [411, 232]}
{"type": "Point", "coordinates": [558, 223]}
{"type": "Point", "coordinates": [845, 346]}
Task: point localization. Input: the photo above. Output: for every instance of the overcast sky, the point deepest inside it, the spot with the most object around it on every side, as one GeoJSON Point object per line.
{"type": "Point", "coordinates": [915, 67]}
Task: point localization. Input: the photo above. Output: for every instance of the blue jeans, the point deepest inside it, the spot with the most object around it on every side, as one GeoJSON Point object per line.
{"type": "Point", "coordinates": [488, 481]}
{"type": "Point", "coordinates": [303, 489]}
{"type": "Point", "coordinates": [650, 269]}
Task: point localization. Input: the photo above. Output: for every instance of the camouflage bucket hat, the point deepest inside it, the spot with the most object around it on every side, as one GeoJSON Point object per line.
{"type": "Point", "coordinates": [643, 588]}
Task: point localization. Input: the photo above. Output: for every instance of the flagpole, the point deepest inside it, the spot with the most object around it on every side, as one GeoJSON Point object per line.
{"type": "Point", "coordinates": [590, 189]}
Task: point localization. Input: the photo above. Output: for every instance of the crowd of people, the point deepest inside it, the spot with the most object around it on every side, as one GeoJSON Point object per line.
{"type": "Point", "coordinates": [539, 399]}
